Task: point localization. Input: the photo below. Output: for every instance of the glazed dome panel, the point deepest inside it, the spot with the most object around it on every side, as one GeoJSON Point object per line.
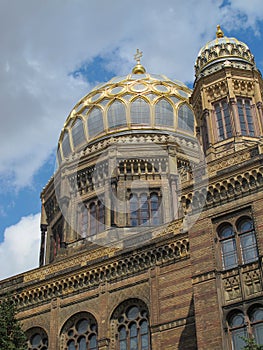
{"type": "Point", "coordinates": [132, 102]}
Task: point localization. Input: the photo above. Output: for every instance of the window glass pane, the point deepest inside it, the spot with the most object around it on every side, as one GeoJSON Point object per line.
{"type": "Point", "coordinates": [82, 344]}
{"type": "Point", "coordinates": [66, 145]}
{"type": "Point", "coordinates": [36, 340]}
{"type": "Point", "coordinates": [133, 313]}
{"type": "Point", "coordinates": [93, 219]}
{"type": "Point", "coordinates": [237, 320]}
{"type": "Point", "coordinates": [248, 247]}
{"type": "Point", "coordinates": [185, 118]}
{"type": "Point", "coordinates": [123, 345]}
{"type": "Point", "coordinates": [237, 335]}
{"type": "Point", "coordinates": [164, 114]}
{"type": "Point", "coordinates": [95, 122]}
{"type": "Point", "coordinates": [226, 231]}
{"type": "Point", "coordinates": [245, 225]}
{"type": "Point", "coordinates": [93, 342]}
{"type": "Point", "coordinates": [78, 133]}
{"type": "Point", "coordinates": [249, 118]}
{"type": "Point", "coordinates": [219, 120]}
{"type": "Point", "coordinates": [258, 333]}
{"type": "Point", "coordinates": [116, 115]}
{"type": "Point", "coordinates": [227, 119]}
{"type": "Point", "coordinates": [82, 326]}
{"type": "Point", "coordinates": [257, 315]}
{"type": "Point", "coordinates": [133, 330]}
{"type": "Point", "coordinates": [71, 345]}
{"type": "Point", "coordinates": [140, 112]}
{"type": "Point", "coordinates": [229, 253]}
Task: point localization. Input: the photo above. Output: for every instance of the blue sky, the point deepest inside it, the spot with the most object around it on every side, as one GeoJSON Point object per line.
{"type": "Point", "coordinates": [53, 52]}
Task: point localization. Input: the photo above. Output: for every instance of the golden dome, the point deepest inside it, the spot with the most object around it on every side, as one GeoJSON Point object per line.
{"type": "Point", "coordinates": [138, 102]}
{"type": "Point", "coordinates": [222, 49]}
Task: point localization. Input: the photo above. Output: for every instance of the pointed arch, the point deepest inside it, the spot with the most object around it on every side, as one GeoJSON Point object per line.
{"type": "Point", "coordinates": [164, 113]}
{"type": "Point", "coordinates": [95, 122]}
{"type": "Point", "coordinates": [140, 112]}
{"type": "Point", "coordinates": [186, 118]}
{"type": "Point", "coordinates": [77, 131]}
{"type": "Point", "coordinates": [116, 115]}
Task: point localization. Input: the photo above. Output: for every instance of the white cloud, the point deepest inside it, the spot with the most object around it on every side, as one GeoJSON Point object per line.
{"type": "Point", "coordinates": [20, 249]}
{"type": "Point", "coordinates": [43, 41]}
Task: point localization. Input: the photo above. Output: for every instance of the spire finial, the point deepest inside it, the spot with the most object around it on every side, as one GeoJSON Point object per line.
{"type": "Point", "coordinates": [138, 69]}
{"type": "Point", "coordinates": [219, 32]}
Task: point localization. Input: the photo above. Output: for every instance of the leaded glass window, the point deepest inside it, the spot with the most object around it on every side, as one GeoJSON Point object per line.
{"type": "Point", "coordinates": [132, 326]}
{"type": "Point", "coordinates": [140, 112]}
{"type": "Point", "coordinates": [116, 115]}
{"type": "Point", "coordinates": [245, 116]}
{"type": "Point", "coordinates": [238, 330]}
{"type": "Point", "coordinates": [223, 119]}
{"type": "Point", "coordinates": [37, 339]}
{"type": "Point", "coordinates": [145, 209]}
{"type": "Point", "coordinates": [238, 242]}
{"type": "Point", "coordinates": [185, 118]}
{"type": "Point", "coordinates": [164, 113]}
{"type": "Point", "coordinates": [78, 136]}
{"type": "Point", "coordinates": [256, 319]}
{"type": "Point", "coordinates": [66, 145]}
{"type": "Point", "coordinates": [80, 332]}
{"type": "Point", "coordinates": [95, 122]}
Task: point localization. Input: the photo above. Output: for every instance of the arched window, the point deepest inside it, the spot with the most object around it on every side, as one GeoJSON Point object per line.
{"type": "Point", "coordinates": [238, 242]}
{"type": "Point", "coordinates": [145, 209]}
{"type": "Point", "coordinates": [155, 208]}
{"type": "Point", "coordinates": [131, 320]}
{"type": "Point", "coordinates": [237, 328]}
{"type": "Point", "coordinates": [78, 136]}
{"type": "Point", "coordinates": [95, 122]}
{"type": "Point", "coordinates": [223, 119]}
{"type": "Point", "coordinates": [256, 321]}
{"type": "Point", "coordinates": [164, 113]}
{"type": "Point", "coordinates": [92, 218]}
{"type": "Point", "coordinates": [80, 333]}
{"type": "Point", "coordinates": [116, 115]}
{"type": "Point", "coordinates": [228, 246]}
{"type": "Point", "coordinates": [66, 144]}
{"type": "Point", "coordinates": [140, 112]}
{"type": "Point", "coordinates": [185, 118]}
{"type": "Point", "coordinates": [245, 116]}
{"type": "Point", "coordinates": [246, 232]}
{"type": "Point", "coordinates": [37, 339]}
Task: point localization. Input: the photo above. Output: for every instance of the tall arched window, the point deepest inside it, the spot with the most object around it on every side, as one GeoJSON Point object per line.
{"type": "Point", "coordinates": [140, 112]}
{"type": "Point", "coordinates": [80, 333]}
{"type": "Point", "coordinates": [164, 113]}
{"type": "Point", "coordinates": [92, 218]}
{"type": "Point", "coordinates": [245, 116]}
{"type": "Point", "coordinates": [145, 209]}
{"type": "Point", "coordinates": [77, 131]}
{"type": "Point", "coordinates": [256, 321]}
{"type": "Point", "coordinates": [238, 242]}
{"type": "Point", "coordinates": [238, 330]}
{"type": "Point", "coordinates": [246, 232]}
{"type": "Point", "coordinates": [116, 115]}
{"type": "Point", "coordinates": [131, 320]}
{"type": "Point", "coordinates": [228, 246]}
{"type": "Point", "coordinates": [185, 118]}
{"type": "Point", "coordinates": [95, 122]}
{"type": "Point", "coordinates": [223, 119]}
{"type": "Point", "coordinates": [37, 339]}
{"type": "Point", "coordinates": [66, 144]}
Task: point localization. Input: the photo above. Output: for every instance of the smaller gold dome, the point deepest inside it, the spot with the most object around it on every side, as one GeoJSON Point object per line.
{"type": "Point", "coordinates": [222, 49]}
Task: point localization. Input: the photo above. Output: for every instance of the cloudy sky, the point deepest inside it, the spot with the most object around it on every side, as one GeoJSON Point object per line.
{"type": "Point", "coordinates": [54, 51]}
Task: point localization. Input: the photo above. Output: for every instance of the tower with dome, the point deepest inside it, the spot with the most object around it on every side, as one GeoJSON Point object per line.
{"type": "Point", "coordinates": [151, 226]}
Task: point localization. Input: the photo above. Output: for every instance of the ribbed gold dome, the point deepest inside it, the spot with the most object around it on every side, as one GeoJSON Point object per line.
{"type": "Point", "coordinates": [124, 104]}
{"type": "Point", "coordinates": [222, 49]}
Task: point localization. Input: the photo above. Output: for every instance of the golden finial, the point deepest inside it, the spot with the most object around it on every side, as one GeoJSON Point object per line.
{"type": "Point", "coordinates": [138, 69]}
{"type": "Point", "coordinates": [219, 32]}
